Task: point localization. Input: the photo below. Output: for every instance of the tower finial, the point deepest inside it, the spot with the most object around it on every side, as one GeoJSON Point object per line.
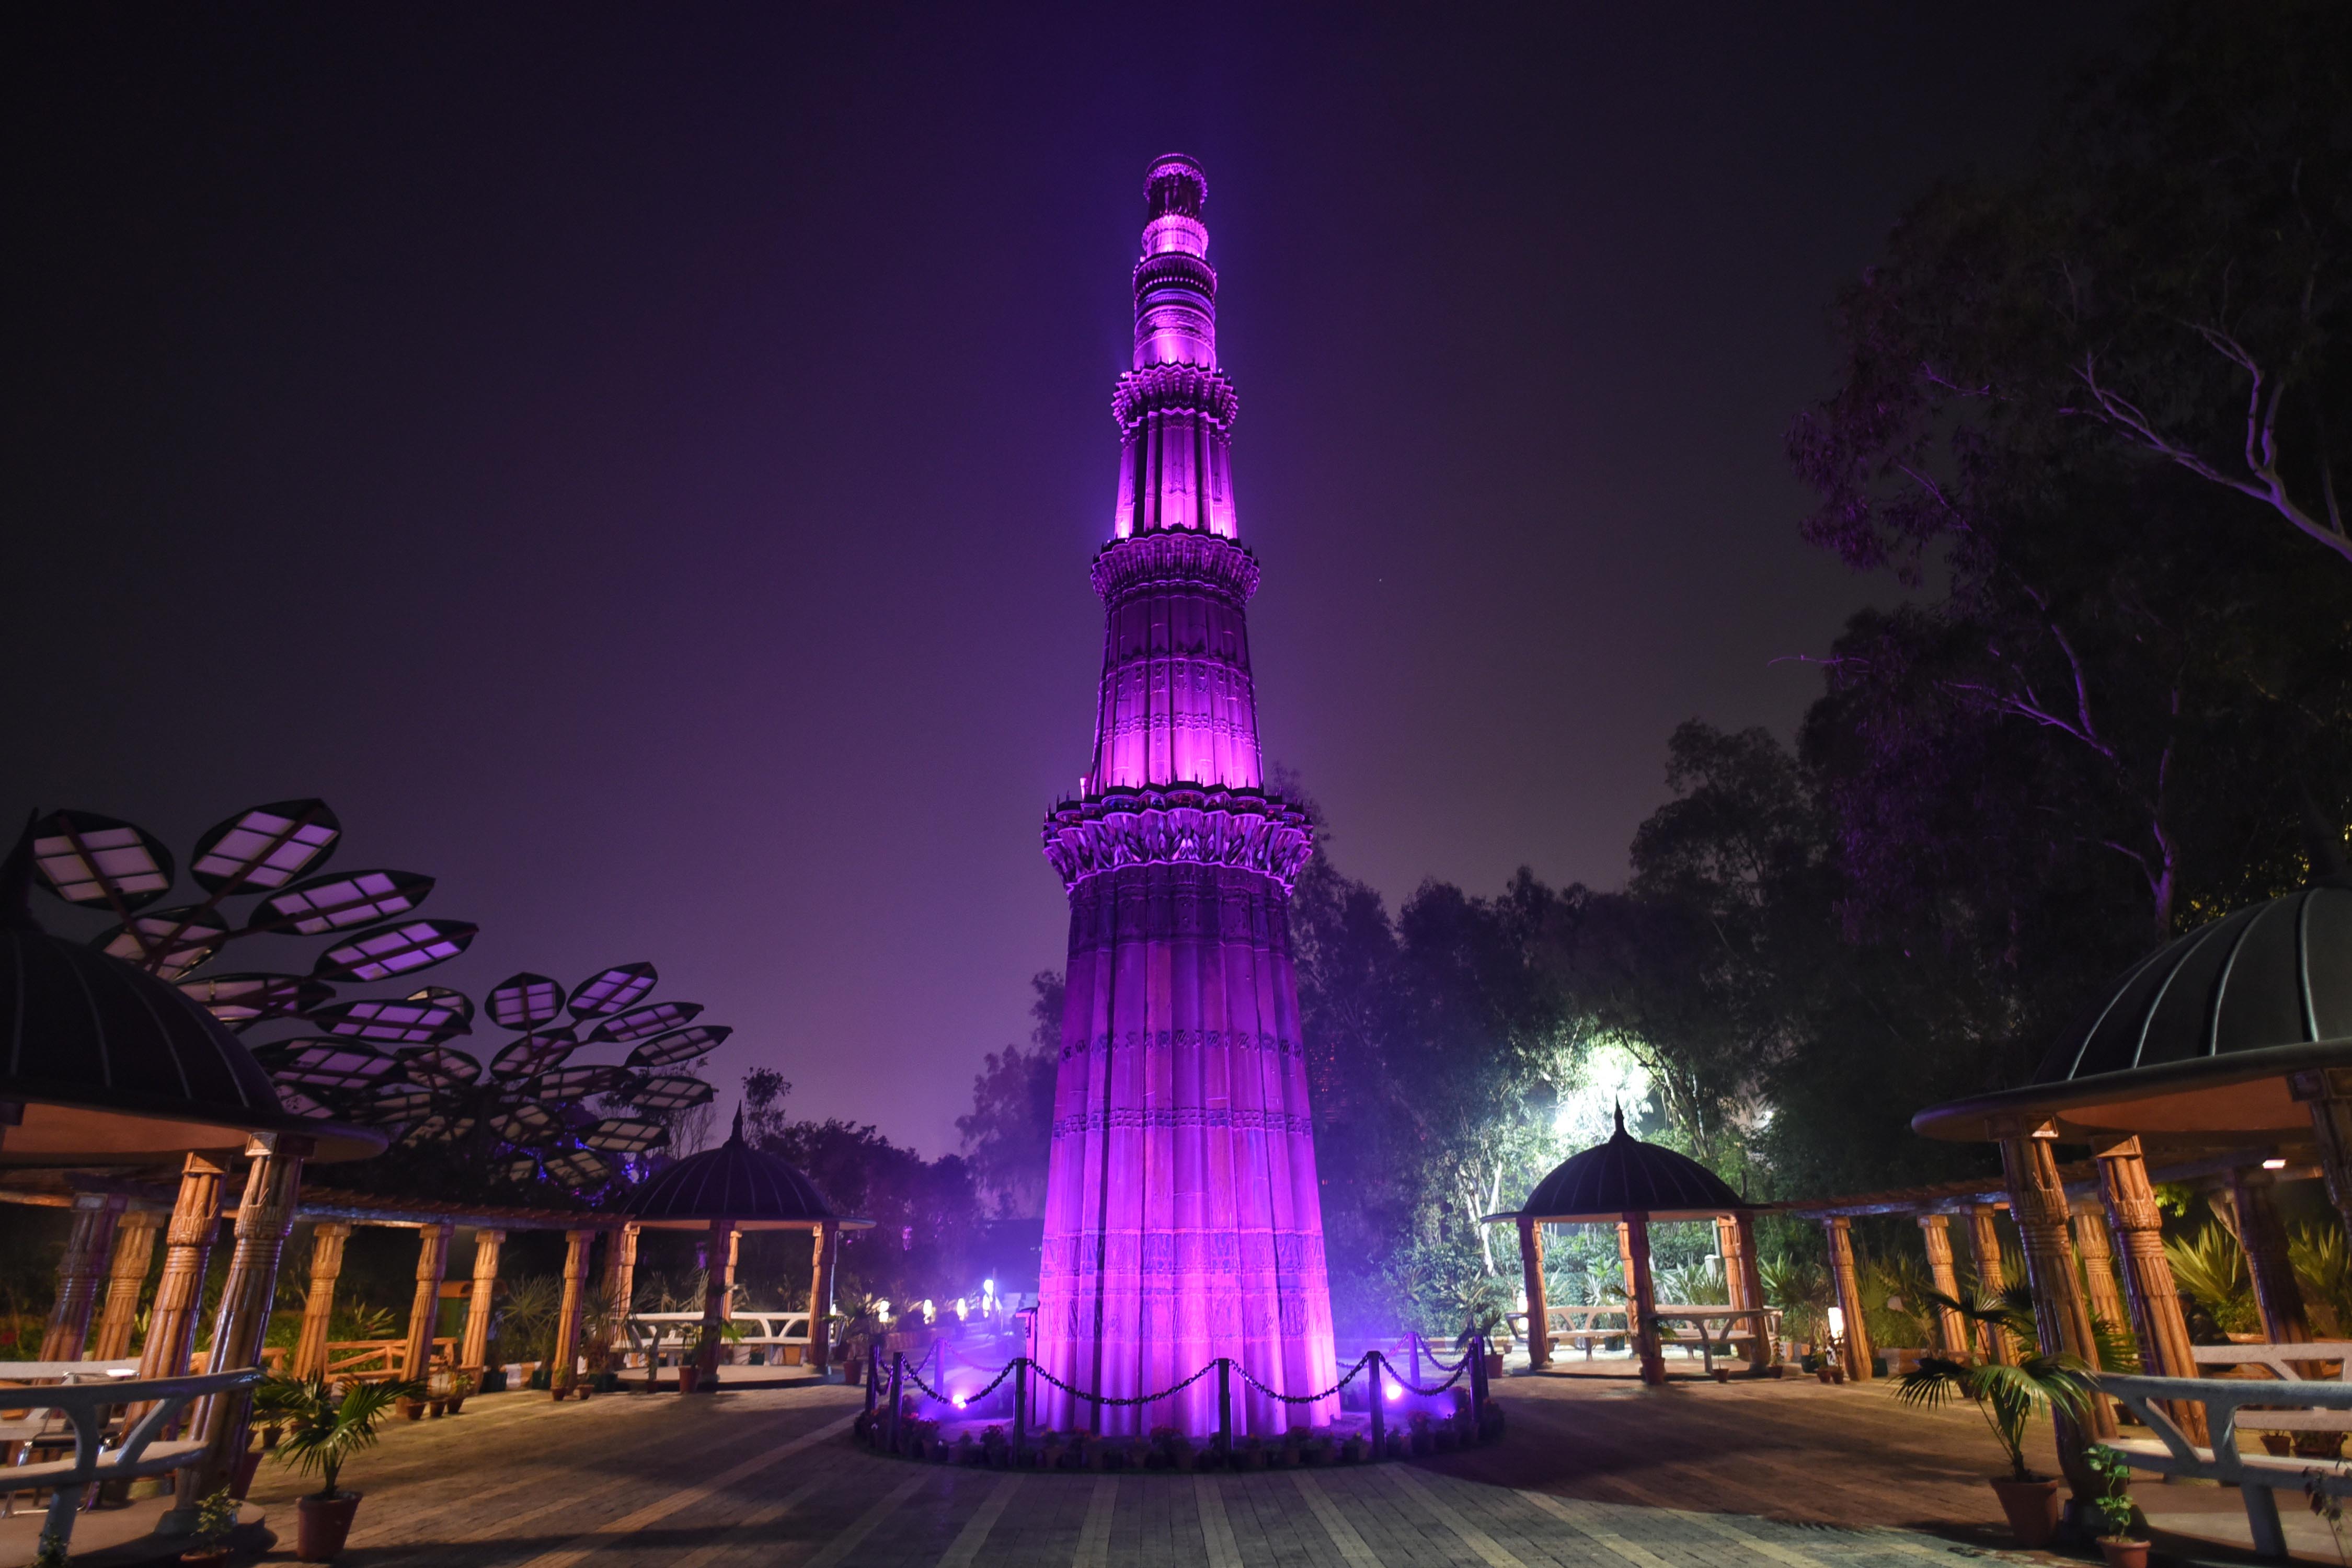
{"type": "Point", "coordinates": [1621, 1118]}
{"type": "Point", "coordinates": [737, 1135]}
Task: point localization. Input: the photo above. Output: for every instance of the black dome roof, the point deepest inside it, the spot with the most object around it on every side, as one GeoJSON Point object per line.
{"type": "Point", "coordinates": [2178, 1044]}
{"type": "Point", "coordinates": [733, 1181]}
{"type": "Point", "coordinates": [1625, 1176]}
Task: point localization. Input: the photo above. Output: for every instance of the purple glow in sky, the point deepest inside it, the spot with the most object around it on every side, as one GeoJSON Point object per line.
{"type": "Point", "coordinates": [633, 463]}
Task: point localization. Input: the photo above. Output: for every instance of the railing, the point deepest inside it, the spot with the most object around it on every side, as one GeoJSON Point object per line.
{"type": "Point", "coordinates": [380, 1360]}
{"type": "Point", "coordinates": [2257, 1476]}
{"type": "Point", "coordinates": [1372, 1364]}
{"type": "Point", "coordinates": [142, 1450]}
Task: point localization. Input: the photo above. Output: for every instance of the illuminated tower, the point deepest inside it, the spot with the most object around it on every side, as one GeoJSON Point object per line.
{"type": "Point", "coordinates": [1182, 1222]}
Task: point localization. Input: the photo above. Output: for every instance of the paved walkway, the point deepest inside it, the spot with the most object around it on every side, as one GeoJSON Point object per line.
{"type": "Point", "coordinates": [770, 1478]}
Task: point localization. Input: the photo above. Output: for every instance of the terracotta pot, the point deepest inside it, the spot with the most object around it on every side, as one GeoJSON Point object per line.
{"type": "Point", "coordinates": [413, 1409]}
{"type": "Point", "coordinates": [2122, 1554]}
{"type": "Point", "coordinates": [1823, 1373]}
{"type": "Point", "coordinates": [688, 1376]}
{"type": "Point", "coordinates": [2032, 1506]}
{"type": "Point", "coordinates": [1494, 1364]}
{"type": "Point", "coordinates": [324, 1522]}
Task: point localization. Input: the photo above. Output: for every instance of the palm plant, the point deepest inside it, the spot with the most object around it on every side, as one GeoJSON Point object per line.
{"type": "Point", "coordinates": [1800, 1289]}
{"type": "Point", "coordinates": [2211, 1267]}
{"type": "Point", "coordinates": [2323, 1267]}
{"type": "Point", "coordinates": [1483, 1302]}
{"type": "Point", "coordinates": [326, 1425]}
{"type": "Point", "coordinates": [2005, 1395]}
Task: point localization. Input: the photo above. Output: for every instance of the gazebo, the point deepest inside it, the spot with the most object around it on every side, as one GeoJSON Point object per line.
{"type": "Point", "coordinates": [1630, 1182]}
{"type": "Point", "coordinates": [2233, 1043]}
{"type": "Point", "coordinates": [726, 1191]}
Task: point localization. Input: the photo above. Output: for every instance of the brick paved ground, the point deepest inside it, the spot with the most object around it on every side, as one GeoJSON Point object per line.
{"type": "Point", "coordinates": [1592, 1472]}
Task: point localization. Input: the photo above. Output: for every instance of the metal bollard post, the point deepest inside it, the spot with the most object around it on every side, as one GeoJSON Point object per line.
{"type": "Point", "coordinates": [897, 1370]}
{"type": "Point", "coordinates": [1412, 1344]}
{"type": "Point", "coordinates": [1225, 1405]}
{"type": "Point", "coordinates": [1477, 1374]}
{"type": "Point", "coordinates": [872, 1384]}
{"type": "Point", "coordinates": [1020, 1411]}
{"type": "Point", "coordinates": [1380, 1416]}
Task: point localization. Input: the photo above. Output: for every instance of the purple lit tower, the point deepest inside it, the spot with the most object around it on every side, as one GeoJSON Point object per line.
{"type": "Point", "coordinates": [1182, 1217]}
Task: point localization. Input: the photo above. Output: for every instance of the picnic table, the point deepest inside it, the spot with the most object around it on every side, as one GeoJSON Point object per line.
{"type": "Point", "coordinates": [1716, 1329]}
{"type": "Point", "coordinates": [654, 1335]}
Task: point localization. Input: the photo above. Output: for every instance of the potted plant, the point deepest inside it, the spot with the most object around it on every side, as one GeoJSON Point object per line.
{"type": "Point", "coordinates": [208, 1541]}
{"type": "Point", "coordinates": [325, 1426]}
{"type": "Point", "coordinates": [49, 1552]}
{"type": "Point", "coordinates": [2007, 1398]}
{"type": "Point", "coordinates": [1354, 1450]}
{"type": "Point", "coordinates": [2122, 1545]}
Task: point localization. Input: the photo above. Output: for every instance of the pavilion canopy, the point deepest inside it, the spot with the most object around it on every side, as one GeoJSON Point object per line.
{"type": "Point", "coordinates": [736, 1183]}
{"type": "Point", "coordinates": [1625, 1176]}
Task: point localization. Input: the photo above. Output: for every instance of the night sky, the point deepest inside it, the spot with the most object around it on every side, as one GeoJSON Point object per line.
{"type": "Point", "coordinates": [640, 465]}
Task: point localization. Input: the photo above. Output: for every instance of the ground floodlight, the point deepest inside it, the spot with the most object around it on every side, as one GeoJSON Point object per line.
{"type": "Point", "coordinates": [242, 1000]}
{"type": "Point", "coordinates": [340, 1066]}
{"type": "Point", "coordinates": [263, 849]}
{"type": "Point", "coordinates": [643, 1023]}
{"type": "Point", "coordinates": [170, 942]}
{"type": "Point", "coordinates": [625, 1135]}
{"type": "Point", "coordinates": [615, 989]}
{"type": "Point", "coordinates": [578, 1168]}
{"type": "Point", "coordinates": [535, 1053]}
{"type": "Point", "coordinates": [396, 1022]}
{"type": "Point", "coordinates": [339, 902]}
{"type": "Point", "coordinates": [525, 1001]}
{"type": "Point", "coordinates": [683, 1045]}
{"type": "Point", "coordinates": [677, 1093]}
{"type": "Point", "coordinates": [438, 1066]}
{"type": "Point", "coordinates": [387, 951]}
{"type": "Point", "coordinates": [89, 859]}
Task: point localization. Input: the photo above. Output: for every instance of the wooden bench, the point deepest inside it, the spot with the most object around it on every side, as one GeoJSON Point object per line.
{"type": "Point", "coordinates": [142, 1449]}
{"type": "Point", "coordinates": [2259, 1478]}
{"type": "Point", "coordinates": [2280, 1361]}
{"type": "Point", "coordinates": [654, 1335]}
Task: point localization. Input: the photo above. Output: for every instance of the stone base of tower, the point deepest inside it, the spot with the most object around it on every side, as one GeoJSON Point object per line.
{"type": "Point", "coordinates": [1183, 1222]}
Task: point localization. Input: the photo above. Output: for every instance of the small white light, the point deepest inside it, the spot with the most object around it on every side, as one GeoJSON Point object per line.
{"type": "Point", "coordinates": [2273, 1165]}
{"type": "Point", "coordinates": [1837, 1322]}
{"type": "Point", "coordinates": [957, 1401]}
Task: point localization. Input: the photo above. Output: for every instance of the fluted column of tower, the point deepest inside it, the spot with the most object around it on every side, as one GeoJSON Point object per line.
{"type": "Point", "coordinates": [1182, 1222]}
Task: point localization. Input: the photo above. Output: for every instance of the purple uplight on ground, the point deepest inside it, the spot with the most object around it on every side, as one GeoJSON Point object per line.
{"type": "Point", "coordinates": [1182, 1222]}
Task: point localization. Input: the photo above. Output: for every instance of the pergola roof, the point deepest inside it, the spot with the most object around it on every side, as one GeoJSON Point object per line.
{"type": "Point", "coordinates": [1625, 1176]}
{"type": "Point", "coordinates": [734, 1182]}
{"type": "Point", "coordinates": [2193, 1044]}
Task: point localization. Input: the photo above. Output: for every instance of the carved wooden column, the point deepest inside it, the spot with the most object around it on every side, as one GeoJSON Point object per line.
{"type": "Point", "coordinates": [327, 1239]}
{"type": "Point", "coordinates": [424, 1307]}
{"type": "Point", "coordinates": [2264, 1239]}
{"type": "Point", "coordinates": [89, 1246]}
{"type": "Point", "coordinates": [2037, 1199]}
{"type": "Point", "coordinates": [1751, 1275]}
{"type": "Point", "coordinates": [1641, 1300]}
{"type": "Point", "coordinates": [2326, 1093]}
{"type": "Point", "coordinates": [126, 1278]}
{"type": "Point", "coordinates": [714, 1297]}
{"type": "Point", "coordinates": [2105, 1303]}
{"type": "Point", "coordinates": [824, 1267]}
{"type": "Point", "coordinates": [1993, 1277]}
{"type": "Point", "coordinates": [1858, 1352]}
{"type": "Point", "coordinates": [1531, 1274]}
{"type": "Point", "coordinates": [1951, 1329]}
{"type": "Point", "coordinates": [565, 1373]}
{"type": "Point", "coordinates": [2148, 1288]}
{"type": "Point", "coordinates": [265, 1217]}
{"type": "Point", "coordinates": [476, 1349]}
{"type": "Point", "coordinates": [187, 1251]}
{"type": "Point", "coordinates": [620, 1286]}
{"type": "Point", "coordinates": [1625, 1257]}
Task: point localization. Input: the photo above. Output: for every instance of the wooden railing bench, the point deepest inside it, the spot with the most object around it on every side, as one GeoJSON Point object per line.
{"type": "Point", "coordinates": [2259, 1478]}
{"type": "Point", "coordinates": [86, 1406]}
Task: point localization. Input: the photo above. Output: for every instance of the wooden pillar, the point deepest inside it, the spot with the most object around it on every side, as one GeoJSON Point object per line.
{"type": "Point", "coordinates": [327, 1239]}
{"type": "Point", "coordinates": [89, 1246]}
{"type": "Point", "coordinates": [2148, 1288]}
{"type": "Point", "coordinates": [476, 1349]}
{"type": "Point", "coordinates": [714, 1296]}
{"type": "Point", "coordinates": [1751, 1275]}
{"type": "Point", "coordinates": [187, 1251]}
{"type": "Point", "coordinates": [825, 1262]}
{"type": "Point", "coordinates": [1641, 1302]}
{"type": "Point", "coordinates": [564, 1373]}
{"type": "Point", "coordinates": [2105, 1303]}
{"type": "Point", "coordinates": [1858, 1354]}
{"type": "Point", "coordinates": [2264, 1239]}
{"type": "Point", "coordinates": [2326, 1093]}
{"type": "Point", "coordinates": [265, 1217]}
{"type": "Point", "coordinates": [2037, 1200]}
{"type": "Point", "coordinates": [1531, 1271]}
{"type": "Point", "coordinates": [126, 1278]}
{"type": "Point", "coordinates": [620, 1284]}
{"type": "Point", "coordinates": [1993, 1277]}
{"type": "Point", "coordinates": [425, 1308]}
{"type": "Point", "coordinates": [1727, 1247]}
{"type": "Point", "coordinates": [1625, 1257]}
{"type": "Point", "coordinates": [1951, 1329]}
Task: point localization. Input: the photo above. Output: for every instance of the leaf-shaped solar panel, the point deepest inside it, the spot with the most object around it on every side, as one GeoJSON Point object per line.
{"type": "Point", "coordinates": [399, 1103]}
{"type": "Point", "coordinates": [678, 1093]}
{"type": "Point", "coordinates": [263, 849]}
{"type": "Point", "coordinates": [439, 1129]}
{"type": "Point", "coordinates": [578, 1168]}
{"type": "Point", "coordinates": [397, 1022]}
{"type": "Point", "coordinates": [301, 1104]}
{"type": "Point", "coordinates": [614, 991]}
{"type": "Point", "coordinates": [438, 1066]}
{"type": "Point", "coordinates": [521, 1168]}
{"type": "Point", "coordinates": [239, 1000]}
{"type": "Point", "coordinates": [643, 1023]}
{"type": "Point", "coordinates": [526, 1123]}
{"type": "Point", "coordinates": [525, 1001]}
{"type": "Point", "coordinates": [535, 1053]}
{"type": "Point", "coordinates": [575, 1082]}
{"type": "Point", "coordinates": [339, 902]}
{"type": "Point", "coordinates": [169, 942]}
{"type": "Point", "coordinates": [625, 1135]}
{"type": "Point", "coordinates": [401, 947]}
{"type": "Point", "coordinates": [679, 1045]}
{"type": "Point", "coordinates": [334, 1064]}
{"type": "Point", "coordinates": [87, 859]}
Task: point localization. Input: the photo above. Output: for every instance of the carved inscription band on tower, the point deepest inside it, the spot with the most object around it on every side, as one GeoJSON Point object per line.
{"type": "Point", "coordinates": [1182, 1220]}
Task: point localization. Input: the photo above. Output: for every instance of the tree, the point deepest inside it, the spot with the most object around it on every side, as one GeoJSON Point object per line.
{"type": "Point", "coordinates": [1008, 1135]}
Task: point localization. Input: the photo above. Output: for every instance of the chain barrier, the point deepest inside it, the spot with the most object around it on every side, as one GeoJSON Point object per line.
{"type": "Point", "coordinates": [1412, 1387]}
{"type": "Point", "coordinates": [1362, 1363]}
{"type": "Point", "coordinates": [916, 1378]}
{"type": "Point", "coordinates": [1113, 1399]}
